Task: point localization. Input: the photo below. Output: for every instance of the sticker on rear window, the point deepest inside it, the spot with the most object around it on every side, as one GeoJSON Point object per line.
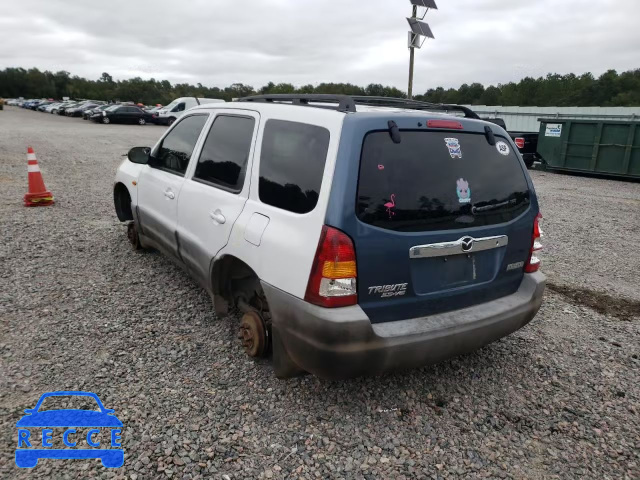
{"type": "Point", "coordinates": [503, 148]}
{"type": "Point", "coordinates": [453, 144]}
{"type": "Point", "coordinates": [391, 205]}
{"type": "Point", "coordinates": [463, 191]}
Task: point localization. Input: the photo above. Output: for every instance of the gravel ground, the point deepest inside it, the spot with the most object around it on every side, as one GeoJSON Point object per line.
{"type": "Point", "coordinates": [80, 310]}
{"type": "Point", "coordinates": [592, 227]}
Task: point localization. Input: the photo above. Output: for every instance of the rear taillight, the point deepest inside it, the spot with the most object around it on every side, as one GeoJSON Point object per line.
{"type": "Point", "coordinates": [519, 142]}
{"type": "Point", "coordinates": [332, 282]}
{"type": "Point", "coordinates": [533, 264]}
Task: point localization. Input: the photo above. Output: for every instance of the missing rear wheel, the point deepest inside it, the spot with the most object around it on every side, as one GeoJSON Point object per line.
{"type": "Point", "coordinates": [132, 235]}
{"type": "Point", "coordinates": [254, 334]}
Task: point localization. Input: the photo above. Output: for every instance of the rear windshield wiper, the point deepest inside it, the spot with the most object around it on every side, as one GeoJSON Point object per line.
{"type": "Point", "coordinates": [394, 131]}
{"type": "Point", "coordinates": [491, 138]}
{"type": "Point", "coordinates": [493, 206]}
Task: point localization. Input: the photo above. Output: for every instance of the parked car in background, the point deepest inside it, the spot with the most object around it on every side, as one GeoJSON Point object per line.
{"type": "Point", "coordinates": [70, 111]}
{"type": "Point", "coordinates": [79, 110]}
{"type": "Point", "coordinates": [527, 143]}
{"type": "Point", "coordinates": [154, 113]}
{"type": "Point", "coordinates": [169, 114]}
{"type": "Point", "coordinates": [49, 108]}
{"type": "Point", "coordinates": [62, 109]}
{"type": "Point", "coordinates": [36, 105]}
{"type": "Point", "coordinates": [42, 106]}
{"type": "Point", "coordinates": [56, 107]}
{"type": "Point", "coordinates": [122, 114]}
{"type": "Point", "coordinates": [32, 104]}
{"type": "Point", "coordinates": [88, 113]}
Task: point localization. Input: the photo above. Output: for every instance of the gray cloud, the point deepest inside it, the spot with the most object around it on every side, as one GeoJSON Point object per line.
{"type": "Point", "coordinates": [218, 42]}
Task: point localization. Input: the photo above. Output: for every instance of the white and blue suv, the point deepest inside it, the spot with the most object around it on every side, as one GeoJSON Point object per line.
{"type": "Point", "coordinates": [356, 235]}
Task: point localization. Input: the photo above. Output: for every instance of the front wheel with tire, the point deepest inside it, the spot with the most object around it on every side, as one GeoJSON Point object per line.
{"type": "Point", "coordinates": [171, 121]}
{"type": "Point", "coordinates": [106, 120]}
{"type": "Point", "coordinates": [142, 121]}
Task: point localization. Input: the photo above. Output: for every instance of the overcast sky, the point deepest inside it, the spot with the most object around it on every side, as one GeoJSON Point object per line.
{"type": "Point", "coordinates": [219, 42]}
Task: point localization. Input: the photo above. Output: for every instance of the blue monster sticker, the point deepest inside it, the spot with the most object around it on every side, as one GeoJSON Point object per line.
{"type": "Point", "coordinates": [102, 439]}
{"type": "Point", "coordinates": [453, 144]}
{"type": "Point", "coordinates": [463, 191]}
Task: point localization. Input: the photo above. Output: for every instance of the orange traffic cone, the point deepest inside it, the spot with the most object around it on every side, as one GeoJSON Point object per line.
{"type": "Point", "coordinates": [38, 195]}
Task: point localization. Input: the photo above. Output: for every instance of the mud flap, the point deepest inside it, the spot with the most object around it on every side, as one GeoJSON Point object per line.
{"type": "Point", "coordinates": [283, 366]}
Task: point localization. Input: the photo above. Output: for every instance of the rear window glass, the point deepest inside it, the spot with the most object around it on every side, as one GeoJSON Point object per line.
{"type": "Point", "coordinates": [292, 165]}
{"type": "Point", "coordinates": [439, 181]}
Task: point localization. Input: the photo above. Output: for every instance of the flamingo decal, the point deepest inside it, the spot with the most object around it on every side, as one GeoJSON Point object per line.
{"type": "Point", "coordinates": [390, 205]}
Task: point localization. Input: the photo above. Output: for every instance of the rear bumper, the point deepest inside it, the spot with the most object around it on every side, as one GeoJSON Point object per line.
{"type": "Point", "coordinates": [342, 342]}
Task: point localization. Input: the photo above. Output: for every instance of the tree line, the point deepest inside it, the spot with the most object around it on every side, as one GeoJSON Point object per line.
{"type": "Point", "coordinates": [609, 89]}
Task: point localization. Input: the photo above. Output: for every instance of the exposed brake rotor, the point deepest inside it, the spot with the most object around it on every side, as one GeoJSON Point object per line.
{"type": "Point", "coordinates": [132, 235]}
{"type": "Point", "coordinates": [254, 334]}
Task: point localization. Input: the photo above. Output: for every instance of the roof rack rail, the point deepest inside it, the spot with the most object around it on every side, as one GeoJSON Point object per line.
{"type": "Point", "coordinates": [347, 103]}
{"type": "Point", "coordinates": [412, 104]}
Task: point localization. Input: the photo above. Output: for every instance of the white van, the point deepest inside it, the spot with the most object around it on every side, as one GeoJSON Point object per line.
{"type": "Point", "coordinates": [169, 114]}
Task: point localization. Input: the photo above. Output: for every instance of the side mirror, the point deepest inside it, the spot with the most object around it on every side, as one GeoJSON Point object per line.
{"type": "Point", "coordinates": [139, 155]}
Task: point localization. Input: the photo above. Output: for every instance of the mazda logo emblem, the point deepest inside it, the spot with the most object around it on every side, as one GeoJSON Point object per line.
{"type": "Point", "coordinates": [467, 244]}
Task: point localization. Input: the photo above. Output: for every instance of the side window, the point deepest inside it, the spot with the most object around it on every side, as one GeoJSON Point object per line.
{"type": "Point", "coordinates": [179, 108]}
{"type": "Point", "coordinates": [292, 165]}
{"type": "Point", "coordinates": [224, 156]}
{"type": "Point", "coordinates": [176, 149]}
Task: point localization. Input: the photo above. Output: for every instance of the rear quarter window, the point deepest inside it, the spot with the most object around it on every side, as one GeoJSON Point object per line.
{"type": "Point", "coordinates": [436, 180]}
{"type": "Point", "coordinates": [292, 165]}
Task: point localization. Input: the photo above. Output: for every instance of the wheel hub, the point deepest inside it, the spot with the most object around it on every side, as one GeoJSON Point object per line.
{"type": "Point", "coordinates": [253, 334]}
{"type": "Point", "coordinates": [132, 234]}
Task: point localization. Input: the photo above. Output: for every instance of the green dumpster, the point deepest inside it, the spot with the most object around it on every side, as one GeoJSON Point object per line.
{"type": "Point", "coordinates": [603, 147]}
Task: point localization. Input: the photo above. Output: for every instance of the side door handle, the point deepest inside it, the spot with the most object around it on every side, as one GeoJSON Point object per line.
{"type": "Point", "coordinates": [218, 217]}
{"type": "Point", "coordinates": [169, 194]}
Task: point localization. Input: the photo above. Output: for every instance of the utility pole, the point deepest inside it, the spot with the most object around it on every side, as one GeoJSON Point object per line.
{"type": "Point", "coordinates": [419, 32]}
{"type": "Point", "coordinates": [412, 54]}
